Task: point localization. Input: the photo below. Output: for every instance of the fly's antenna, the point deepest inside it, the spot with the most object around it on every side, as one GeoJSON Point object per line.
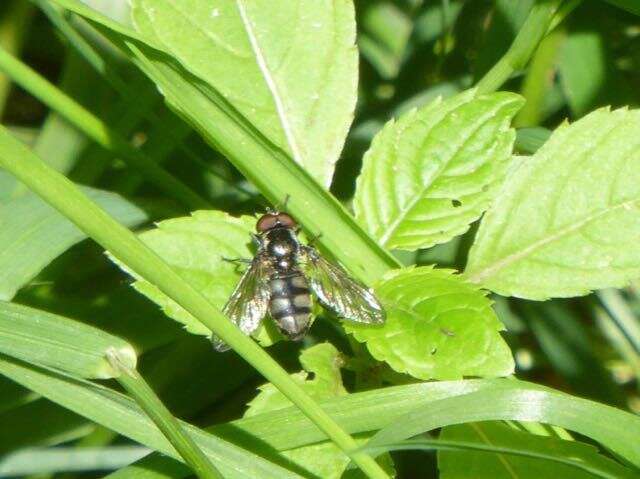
{"type": "Point", "coordinates": [283, 205]}
{"type": "Point", "coordinates": [279, 207]}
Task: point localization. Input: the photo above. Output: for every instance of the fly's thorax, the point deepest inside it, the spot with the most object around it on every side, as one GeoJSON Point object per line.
{"type": "Point", "coordinates": [290, 304]}
{"type": "Point", "coordinates": [282, 246]}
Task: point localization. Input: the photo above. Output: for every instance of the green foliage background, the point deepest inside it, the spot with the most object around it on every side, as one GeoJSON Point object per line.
{"type": "Point", "coordinates": [477, 163]}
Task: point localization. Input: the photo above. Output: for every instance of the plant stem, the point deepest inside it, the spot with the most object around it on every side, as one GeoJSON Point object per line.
{"type": "Point", "coordinates": [13, 29]}
{"type": "Point", "coordinates": [63, 195]}
{"type": "Point", "coordinates": [533, 30]}
{"type": "Point", "coordinates": [98, 131]}
{"type": "Point", "coordinates": [539, 80]}
{"type": "Point", "coordinates": [622, 314]}
{"type": "Point", "coordinates": [151, 404]}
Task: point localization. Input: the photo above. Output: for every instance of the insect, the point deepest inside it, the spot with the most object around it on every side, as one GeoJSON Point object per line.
{"type": "Point", "coordinates": [280, 279]}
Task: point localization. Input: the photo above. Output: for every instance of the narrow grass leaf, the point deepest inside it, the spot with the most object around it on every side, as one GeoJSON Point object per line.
{"type": "Point", "coordinates": [33, 234]}
{"type": "Point", "coordinates": [615, 429]}
{"type": "Point", "coordinates": [26, 425]}
{"type": "Point", "coordinates": [290, 68]}
{"type": "Point", "coordinates": [69, 459]}
{"type": "Point", "coordinates": [432, 172]}
{"type": "Point", "coordinates": [438, 327]}
{"type": "Point", "coordinates": [61, 343]}
{"type": "Point", "coordinates": [568, 220]}
{"type": "Point", "coordinates": [119, 413]}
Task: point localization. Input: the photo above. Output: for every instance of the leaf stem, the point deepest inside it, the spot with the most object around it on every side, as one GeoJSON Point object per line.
{"type": "Point", "coordinates": [533, 30]}
{"type": "Point", "coordinates": [63, 195]}
{"type": "Point", "coordinates": [97, 130]}
{"type": "Point", "coordinates": [151, 404]}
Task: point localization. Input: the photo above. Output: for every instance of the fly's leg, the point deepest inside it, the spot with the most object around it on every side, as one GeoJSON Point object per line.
{"type": "Point", "coordinates": [287, 197]}
{"type": "Point", "coordinates": [312, 239]}
{"type": "Point", "coordinates": [237, 261]}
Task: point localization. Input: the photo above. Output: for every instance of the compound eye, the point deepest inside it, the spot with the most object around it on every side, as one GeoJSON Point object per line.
{"type": "Point", "coordinates": [286, 220]}
{"type": "Point", "coordinates": [266, 222]}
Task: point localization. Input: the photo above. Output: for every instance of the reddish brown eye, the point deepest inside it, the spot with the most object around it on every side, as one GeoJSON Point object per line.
{"type": "Point", "coordinates": [286, 220]}
{"type": "Point", "coordinates": [266, 222]}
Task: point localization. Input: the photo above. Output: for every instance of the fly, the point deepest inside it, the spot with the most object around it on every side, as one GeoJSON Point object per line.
{"type": "Point", "coordinates": [281, 278]}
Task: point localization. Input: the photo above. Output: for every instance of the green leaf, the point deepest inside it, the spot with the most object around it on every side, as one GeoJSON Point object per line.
{"type": "Point", "coordinates": [555, 454]}
{"type": "Point", "coordinates": [122, 415]}
{"type": "Point", "coordinates": [438, 327]}
{"type": "Point", "coordinates": [33, 234]}
{"type": "Point", "coordinates": [51, 340]}
{"type": "Point", "coordinates": [435, 170]}
{"type": "Point", "coordinates": [290, 68]}
{"type": "Point", "coordinates": [196, 246]}
{"type": "Point", "coordinates": [567, 222]}
{"type": "Point", "coordinates": [321, 378]}
{"type": "Point", "coordinates": [323, 361]}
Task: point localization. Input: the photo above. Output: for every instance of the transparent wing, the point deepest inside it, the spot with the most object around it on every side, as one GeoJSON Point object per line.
{"type": "Point", "coordinates": [337, 291]}
{"type": "Point", "coordinates": [248, 303]}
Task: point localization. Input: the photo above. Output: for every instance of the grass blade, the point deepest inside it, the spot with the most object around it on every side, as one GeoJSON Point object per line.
{"type": "Point", "coordinates": [98, 131]}
{"type": "Point", "coordinates": [131, 380]}
{"type": "Point", "coordinates": [57, 342]}
{"type": "Point", "coordinates": [68, 459]}
{"type": "Point", "coordinates": [121, 414]}
{"type": "Point", "coordinates": [613, 428]}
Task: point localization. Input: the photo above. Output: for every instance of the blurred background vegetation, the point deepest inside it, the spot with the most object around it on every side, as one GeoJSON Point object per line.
{"type": "Point", "coordinates": [411, 51]}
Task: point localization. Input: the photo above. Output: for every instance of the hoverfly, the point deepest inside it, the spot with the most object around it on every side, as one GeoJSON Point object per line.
{"type": "Point", "coordinates": [281, 277]}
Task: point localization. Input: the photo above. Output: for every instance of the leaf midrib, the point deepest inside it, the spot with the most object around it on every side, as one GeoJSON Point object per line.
{"type": "Point", "coordinates": [271, 84]}
{"type": "Point", "coordinates": [493, 268]}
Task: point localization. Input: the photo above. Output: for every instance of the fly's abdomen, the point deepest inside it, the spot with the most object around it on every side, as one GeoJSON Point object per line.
{"type": "Point", "coordinates": [290, 304]}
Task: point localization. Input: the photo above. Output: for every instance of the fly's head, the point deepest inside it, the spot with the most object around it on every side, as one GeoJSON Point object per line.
{"type": "Point", "coordinates": [277, 233]}
{"type": "Point", "coordinates": [274, 219]}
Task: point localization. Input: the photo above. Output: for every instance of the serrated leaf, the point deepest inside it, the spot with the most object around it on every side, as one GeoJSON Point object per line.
{"type": "Point", "coordinates": [290, 67]}
{"type": "Point", "coordinates": [434, 171]}
{"type": "Point", "coordinates": [438, 327]}
{"type": "Point", "coordinates": [32, 234]}
{"type": "Point", "coordinates": [195, 247]}
{"type": "Point", "coordinates": [321, 379]}
{"type": "Point", "coordinates": [568, 220]}
{"type": "Point", "coordinates": [324, 362]}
